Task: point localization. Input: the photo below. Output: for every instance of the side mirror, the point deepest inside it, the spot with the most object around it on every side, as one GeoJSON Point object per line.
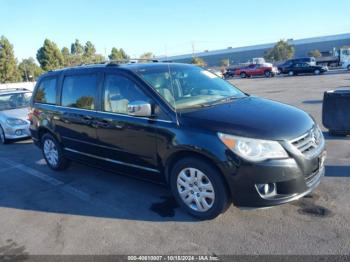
{"type": "Point", "coordinates": [140, 108]}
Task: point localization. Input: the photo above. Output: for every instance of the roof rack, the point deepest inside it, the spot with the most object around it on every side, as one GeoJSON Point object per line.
{"type": "Point", "coordinates": [129, 61]}
{"type": "Point", "coordinates": [112, 63]}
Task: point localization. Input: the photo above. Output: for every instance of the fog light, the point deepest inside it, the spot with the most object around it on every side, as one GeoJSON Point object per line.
{"type": "Point", "coordinates": [19, 132]}
{"type": "Point", "coordinates": [266, 189]}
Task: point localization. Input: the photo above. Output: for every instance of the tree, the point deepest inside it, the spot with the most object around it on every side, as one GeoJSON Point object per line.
{"type": "Point", "coordinates": [76, 48]}
{"type": "Point", "coordinates": [8, 62]}
{"type": "Point", "coordinates": [49, 56]}
{"type": "Point", "coordinates": [29, 69]}
{"type": "Point", "coordinates": [90, 55]}
{"type": "Point", "coordinates": [198, 61]}
{"type": "Point", "coordinates": [66, 56]}
{"type": "Point", "coordinates": [147, 55]}
{"type": "Point", "coordinates": [89, 50]}
{"type": "Point", "coordinates": [281, 51]}
{"type": "Point", "coordinates": [118, 54]}
{"type": "Point", "coordinates": [225, 62]}
{"type": "Point", "coordinates": [315, 53]}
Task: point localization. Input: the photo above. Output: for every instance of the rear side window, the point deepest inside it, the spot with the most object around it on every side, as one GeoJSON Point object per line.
{"type": "Point", "coordinates": [46, 92]}
{"type": "Point", "coordinates": [79, 91]}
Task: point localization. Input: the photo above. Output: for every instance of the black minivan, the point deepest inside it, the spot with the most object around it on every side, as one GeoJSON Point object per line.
{"type": "Point", "coordinates": [182, 125]}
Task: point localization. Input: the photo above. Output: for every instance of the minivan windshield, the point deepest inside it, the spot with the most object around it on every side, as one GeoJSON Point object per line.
{"type": "Point", "coordinates": [185, 86]}
{"type": "Point", "coordinates": [14, 100]}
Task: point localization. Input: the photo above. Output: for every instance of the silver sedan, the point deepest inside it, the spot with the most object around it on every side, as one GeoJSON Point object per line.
{"type": "Point", "coordinates": [14, 109]}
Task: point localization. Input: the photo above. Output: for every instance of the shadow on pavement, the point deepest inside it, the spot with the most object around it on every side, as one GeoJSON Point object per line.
{"type": "Point", "coordinates": [27, 183]}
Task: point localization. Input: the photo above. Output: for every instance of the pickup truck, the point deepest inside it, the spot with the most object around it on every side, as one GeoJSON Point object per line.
{"type": "Point", "coordinates": [266, 70]}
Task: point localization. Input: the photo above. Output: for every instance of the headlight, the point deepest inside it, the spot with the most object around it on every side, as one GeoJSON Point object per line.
{"type": "Point", "coordinates": [15, 122]}
{"type": "Point", "coordinates": [253, 149]}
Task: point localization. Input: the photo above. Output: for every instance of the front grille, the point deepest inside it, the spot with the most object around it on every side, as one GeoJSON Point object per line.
{"type": "Point", "coordinates": [313, 178]}
{"type": "Point", "coordinates": [308, 143]}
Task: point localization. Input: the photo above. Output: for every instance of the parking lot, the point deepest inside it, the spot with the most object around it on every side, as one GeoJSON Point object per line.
{"type": "Point", "coordinates": [88, 211]}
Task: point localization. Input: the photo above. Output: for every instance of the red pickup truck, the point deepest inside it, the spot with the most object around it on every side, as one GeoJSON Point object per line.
{"type": "Point", "coordinates": [256, 70]}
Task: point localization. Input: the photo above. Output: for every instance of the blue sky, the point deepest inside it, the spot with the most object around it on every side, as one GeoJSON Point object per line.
{"type": "Point", "coordinates": [167, 27]}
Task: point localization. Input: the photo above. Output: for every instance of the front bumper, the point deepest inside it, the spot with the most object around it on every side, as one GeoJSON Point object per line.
{"type": "Point", "coordinates": [16, 132]}
{"type": "Point", "coordinates": [290, 180]}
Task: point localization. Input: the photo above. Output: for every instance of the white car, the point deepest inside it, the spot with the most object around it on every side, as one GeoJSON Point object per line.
{"type": "Point", "coordinates": [346, 65]}
{"type": "Point", "coordinates": [14, 109]}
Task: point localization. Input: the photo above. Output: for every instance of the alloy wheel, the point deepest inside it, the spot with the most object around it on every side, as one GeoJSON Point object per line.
{"type": "Point", "coordinates": [195, 189]}
{"type": "Point", "coordinates": [50, 152]}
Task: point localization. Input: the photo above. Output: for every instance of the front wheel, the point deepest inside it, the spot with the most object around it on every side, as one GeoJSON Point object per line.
{"type": "Point", "coordinates": [53, 153]}
{"type": "Point", "coordinates": [199, 188]}
{"type": "Point", "coordinates": [291, 73]}
{"type": "Point", "coordinates": [267, 74]}
{"type": "Point", "coordinates": [317, 72]}
{"type": "Point", "coordinates": [243, 75]}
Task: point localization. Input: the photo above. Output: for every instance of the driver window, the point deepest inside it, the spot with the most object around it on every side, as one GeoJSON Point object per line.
{"type": "Point", "coordinates": [119, 91]}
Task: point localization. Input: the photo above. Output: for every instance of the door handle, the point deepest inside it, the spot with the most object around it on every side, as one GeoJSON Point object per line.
{"type": "Point", "coordinates": [102, 123]}
{"type": "Point", "coordinates": [89, 118]}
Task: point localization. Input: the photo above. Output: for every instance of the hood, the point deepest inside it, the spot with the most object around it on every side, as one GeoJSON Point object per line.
{"type": "Point", "coordinates": [20, 113]}
{"type": "Point", "coordinates": [252, 117]}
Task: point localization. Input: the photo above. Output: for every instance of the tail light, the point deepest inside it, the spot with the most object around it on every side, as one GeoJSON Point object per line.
{"type": "Point", "coordinates": [31, 113]}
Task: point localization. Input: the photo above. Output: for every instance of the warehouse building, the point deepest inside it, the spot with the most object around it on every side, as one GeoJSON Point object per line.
{"type": "Point", "coordinates": [243, 54]}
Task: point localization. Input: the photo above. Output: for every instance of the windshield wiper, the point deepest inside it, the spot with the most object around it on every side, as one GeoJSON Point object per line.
{"type": "Point", "coordinates": [224, 100]}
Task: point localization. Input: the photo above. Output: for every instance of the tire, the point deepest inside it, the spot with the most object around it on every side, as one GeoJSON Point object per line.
{"type": "Point", "coordinates": [185, 177]}
{"type": "Point", "coordinates": [267, 74]}
{"type": "Point", "coordinates": [317, 72]}
{"type": "Point", "coordinates": [243, 75]}
{"type": "Point", "coordinates": [53, 153]}
{"type": "Point", "coordinates": [291, 73]}
{"type": "Point", "coordinates": [348, 67]}
{"type": "Point", "coordinates": [3, 139]}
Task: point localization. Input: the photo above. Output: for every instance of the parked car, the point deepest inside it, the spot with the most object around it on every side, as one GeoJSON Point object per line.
{"type": "Point", "coordinates": [266, 70]}
{"type": "Point", "coordinates": [304, 68]}
{"type": "Point", "coordinates": [346, 65]}
{"type": "Point", "coordinates": [230, 72]}
{"type": "Point", "coordinates": [14, 108]}
{"type": "Point", "coordinates": [180, 124]}
{"type": "Point", "coordinates": [282, 67]}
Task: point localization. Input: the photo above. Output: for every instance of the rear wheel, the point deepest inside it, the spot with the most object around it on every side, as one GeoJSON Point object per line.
{"type": "Point", "coordinates": [199, 188]}
{"type": "Point", "coordinates": [3, 139]}
{"type": "Point", "coordinates": [53, 153]}
{"type": "Point", "coordinates": [291, 73]}
{"type": "Point", "coordinates": [317, 72]}
{"type": "Point", "coordinates": [243, 75]}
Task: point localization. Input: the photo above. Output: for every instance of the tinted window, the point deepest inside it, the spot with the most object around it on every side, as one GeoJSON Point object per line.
{"type": "Point", "coordinates": [79, 91]}
{"type": "Point", "coordinates": [118, 92]}
{"type": "Point", "coordinates": [15, 100]}
{"type": "Point", "coordinates": [46, 92]}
